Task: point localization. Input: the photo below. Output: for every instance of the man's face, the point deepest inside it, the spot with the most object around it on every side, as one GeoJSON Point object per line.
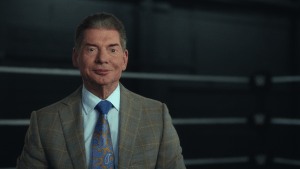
{"type": "Point", "coordinates": [100, 58]}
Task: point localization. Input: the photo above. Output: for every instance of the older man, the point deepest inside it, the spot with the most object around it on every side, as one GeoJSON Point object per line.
{"type": "Point", "coordinates": [102, 124]}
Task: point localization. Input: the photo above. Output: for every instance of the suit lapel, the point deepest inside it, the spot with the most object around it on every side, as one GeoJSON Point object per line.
{"type": "Point", "coordinates": [72, 124]}
{"type": "Point", "coordinates": [130, 114]}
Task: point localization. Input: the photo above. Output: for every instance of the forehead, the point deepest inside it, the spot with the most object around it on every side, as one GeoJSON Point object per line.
{"type": "Point", "coordinates": [101, 36]}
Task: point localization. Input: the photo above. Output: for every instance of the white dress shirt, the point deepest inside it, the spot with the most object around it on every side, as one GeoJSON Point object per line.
{"type": "Point", "coordinates": [90, 117]}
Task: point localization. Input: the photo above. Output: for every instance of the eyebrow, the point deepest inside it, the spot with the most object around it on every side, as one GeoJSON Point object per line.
{"type": "Point", "coordinates": [90, 44]}
{"type": "Point", "coordinates": [115, 44]}
{"type": "Point", "coordinates": [110, 45]}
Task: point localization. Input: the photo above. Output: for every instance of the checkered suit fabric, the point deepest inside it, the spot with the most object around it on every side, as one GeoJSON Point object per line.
{"type": "Point", "coordinates": [147, 134]}
{"type": "Point", "coordinates": [147, 138]}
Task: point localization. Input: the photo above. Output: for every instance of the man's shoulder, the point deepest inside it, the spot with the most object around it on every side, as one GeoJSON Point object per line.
{"type": "Point", "coordinates": [142, 100]}
{"type": "Point", "coordinates": [74, 98]}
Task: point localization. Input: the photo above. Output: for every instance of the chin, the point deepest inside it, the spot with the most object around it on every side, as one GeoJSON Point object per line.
{"type": "Point", "coordinates": [103, 83]}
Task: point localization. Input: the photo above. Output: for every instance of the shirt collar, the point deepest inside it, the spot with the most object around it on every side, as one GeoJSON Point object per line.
{"type": "Point", "coordinates": [89, 100]}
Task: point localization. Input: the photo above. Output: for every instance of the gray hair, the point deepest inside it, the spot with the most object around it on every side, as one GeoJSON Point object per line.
{"type": "Point", "coordinates": [100, 21]}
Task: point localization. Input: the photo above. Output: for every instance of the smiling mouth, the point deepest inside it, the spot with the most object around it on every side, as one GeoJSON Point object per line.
{"type": "Point", "coordinates": [101, 71]}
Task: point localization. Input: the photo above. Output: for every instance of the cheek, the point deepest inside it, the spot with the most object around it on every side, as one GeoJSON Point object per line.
{"type": "Point", "coordinates": [84, 63]}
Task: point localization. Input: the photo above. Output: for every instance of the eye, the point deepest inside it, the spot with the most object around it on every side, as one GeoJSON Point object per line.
{"type": "Point", "coordinates": [113, 50]}
{"type": "Point", "coordinates": [91, 51]}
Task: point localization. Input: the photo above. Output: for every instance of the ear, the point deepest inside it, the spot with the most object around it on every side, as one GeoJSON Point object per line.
{"type": "Point", "coordinates": [125, 59]}
{"type": "Point", "coordinates": [75, 57]}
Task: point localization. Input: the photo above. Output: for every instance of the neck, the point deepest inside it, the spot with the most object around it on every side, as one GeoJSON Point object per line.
{"type": "Point", "coordinates": [101, 91]}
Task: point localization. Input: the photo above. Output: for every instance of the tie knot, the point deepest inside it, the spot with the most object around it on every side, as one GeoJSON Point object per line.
{"type": "Point", "coordinates": [103, 106]}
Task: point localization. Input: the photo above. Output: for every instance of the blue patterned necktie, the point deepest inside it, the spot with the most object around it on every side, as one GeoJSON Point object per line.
{"type": "Point", "coordinates": [103, 155]}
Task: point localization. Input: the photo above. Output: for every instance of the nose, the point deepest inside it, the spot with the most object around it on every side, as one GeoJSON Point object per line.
{"type": "Point", "coordinates": [102, 57]}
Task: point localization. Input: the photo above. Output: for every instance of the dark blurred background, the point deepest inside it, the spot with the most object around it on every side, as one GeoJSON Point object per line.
{"type": "Point", "coordinates": [236, 64]}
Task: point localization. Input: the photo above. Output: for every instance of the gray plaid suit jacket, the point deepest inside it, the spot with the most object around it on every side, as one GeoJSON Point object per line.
{"type": "Point", "coordinates": [147, 138]}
